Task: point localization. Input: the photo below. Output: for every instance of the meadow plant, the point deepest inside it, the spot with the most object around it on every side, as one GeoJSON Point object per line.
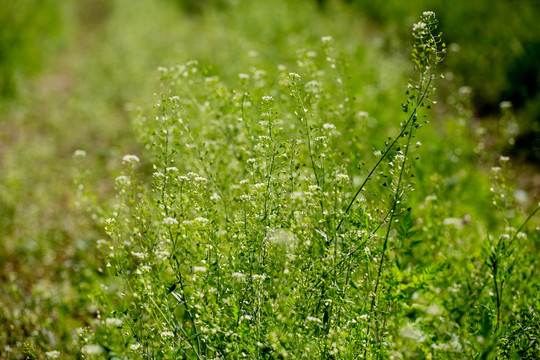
{"type": "Point", "coordinates": [258, 238]}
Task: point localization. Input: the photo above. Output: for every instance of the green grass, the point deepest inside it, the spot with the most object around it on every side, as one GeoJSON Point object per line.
{"type": "Point", "coordinates": [446, 288]}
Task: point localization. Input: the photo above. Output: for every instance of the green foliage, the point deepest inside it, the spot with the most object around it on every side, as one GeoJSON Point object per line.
{"type": "Point", "coordinates": [242, 245]}
{"type": "Point", "coordinates": [26, 37]}
{"type": "Point", "coordinates": [493, 49]}
{"type": "Point", "coordinates": [288, 197]}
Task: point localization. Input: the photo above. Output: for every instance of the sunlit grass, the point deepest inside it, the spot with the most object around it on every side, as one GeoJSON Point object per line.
{"type": "Point", "coordinates": [93, 97]}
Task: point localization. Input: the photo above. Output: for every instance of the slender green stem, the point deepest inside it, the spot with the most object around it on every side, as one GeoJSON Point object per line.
{"type": "Point", "coordinates": [497, 292]}
{"type": "Point", "coordinates": [525, 223]}
{"type": "Point", "coordinates": [386, 152]}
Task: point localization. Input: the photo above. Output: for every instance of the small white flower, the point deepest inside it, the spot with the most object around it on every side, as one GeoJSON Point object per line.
{"type": "Point", "coordinates": [267, 98]}
{"type": "Point", "coordinates": [259, 186]}
{"type": "Point", "coordinates": [297, 195]}
{"type": "Point", "coordinates": [135, 346]}
{"type": "Point", "coordinates": [363, 114]}
{"type": "Point", "coordinates": [170, 221]}
{"type": "Point", "coordinates": [342, 177]}
{"type": "Point", "coordinates": [245, 317]}
{"type": "Point", "coordinates": [167, 334]}
{"type": "Point", "coordinates": [79, 154]}
{"type": "Point", "coordinates": [294, 76]}
{"type": "Point", "coordinates": [263, 138]}
{"type": "Point", "coordinates": [504, 159]}
{"type": "Point", "coordinates": [52, 354]}
{"type": "Point", "coordinates": [314, 188]}
{"type": "Point", "coordinates": [92, 349]}
{"type": "Point", "coordinates": [258, 277]}
{"type": "Point", "coordinates": [199, 269]}
{"type": "Point", "coordinates": [329, 126]}
{"type": "Point", "coordinates": [245, 198]}
{"type": "Point", "coordinates": [201, 220]}
{"type": "Point", "coordinates": [238, 276]}
{"type": "Point", "coordinates": [313, 86]}
{"type": "Point", "coordinates": [313, 319]}
{"type": "Point", "coordinates": [158, 175]}
{"type": "Point", "coordinates": [162, 254]}
{"type": "Point", "coordinates": [243, 76]}
{"type": "Point", "coordinates": [326, 39]}
{"type": "Point", "coordinates": [122, 180]}
{"type": "Point", "coordinates": [138, 255]}
{"type": "Point", "coordinates": [282, 237]}
{"type": "Point", "coordinates": [113, 322]}
{"type": "Point", "coordinates": [173, 169]}
{"type": "Point", "coordinates": [456, 222]}
{"type": "Point", "coordinates": [505, 105]}
{"type": "Point", "coordinates": [420, 27]}
{"type": "Point", "coordinates": [130, 159]}
{"type": "Point", "coordinates": [465, 90]}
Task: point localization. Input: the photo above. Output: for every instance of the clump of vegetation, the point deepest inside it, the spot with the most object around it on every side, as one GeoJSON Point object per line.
{"type": "Point", "coordinates": [287, 197]}
{"type": "Point", "coordinates": [265, 233]}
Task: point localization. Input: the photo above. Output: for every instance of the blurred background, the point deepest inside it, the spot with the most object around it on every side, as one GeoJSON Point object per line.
{"type": "Point", "coordinates": [73, 71]}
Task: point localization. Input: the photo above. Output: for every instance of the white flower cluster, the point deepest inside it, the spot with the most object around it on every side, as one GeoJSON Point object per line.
{"type": "Point", "coordinates": [52, 354]}
{"type": "Point", "coordinates": [342, 177]}
{"type": "Point", "coordinates": [197, 269]}
{"type": "Point", "coordinates": [130, 159]}
{"type": "Point", "coordinates": [170, 221]}
{"type": "Point", "coordinates": [167, 334]}
{"type": "Point", "coordinates": [238, 276]}
{"type": "Point", "coordinates": [79, 154]}
{"type": "Point", "coordinates": [258, 277]}
{"type": "Point", "coordinates": [328, 126]}
{"type": "Point", "coordinates": [122, 181]}
{"type": "Point", "coordinates": [294, 76]}
{"type": "Point", "coordinates": [113, 322]}
{"type": "Point", "coordinates": [92, 349]}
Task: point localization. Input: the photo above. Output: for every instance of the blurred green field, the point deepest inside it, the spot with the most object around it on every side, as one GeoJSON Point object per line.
{"type": "Point", "coordinates": [74, 74]}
